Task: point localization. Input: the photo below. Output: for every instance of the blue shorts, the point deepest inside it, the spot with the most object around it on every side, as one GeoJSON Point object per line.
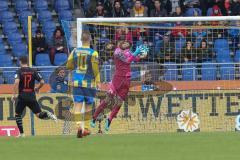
{"type": "Point", "coordinates": [82, 94]}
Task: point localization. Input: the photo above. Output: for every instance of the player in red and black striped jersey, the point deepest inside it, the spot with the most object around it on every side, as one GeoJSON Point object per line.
{"type": "Point", "coordinates": [25, 87]}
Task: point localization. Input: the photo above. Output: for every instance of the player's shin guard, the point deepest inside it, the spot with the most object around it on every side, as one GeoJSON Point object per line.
{"type": "Point", "coordinates": [19, 123]}
{"type": "Point", "coordinates": [78, 118]}
{"type": "Point", "coordinates": [87, 117]}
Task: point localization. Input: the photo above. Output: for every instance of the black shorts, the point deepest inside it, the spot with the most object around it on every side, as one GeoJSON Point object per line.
{"type": "Point", "coordinates": [22, 103]}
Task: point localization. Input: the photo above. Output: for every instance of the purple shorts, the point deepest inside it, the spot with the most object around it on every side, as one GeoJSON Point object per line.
{"type": "Point", "coordinates": [120, 86]}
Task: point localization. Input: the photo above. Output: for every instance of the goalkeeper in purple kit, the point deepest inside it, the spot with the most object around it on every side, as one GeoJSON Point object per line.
{"type": "Point", "coordinates": [120, 84]}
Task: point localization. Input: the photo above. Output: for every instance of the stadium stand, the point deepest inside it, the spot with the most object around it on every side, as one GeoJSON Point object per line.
{"type": "Point", "coordinates": [189, 71]}
{"type": "Point", "coordinates": [60, 59]}
{"type": "Point", "coordinates": [171, 73]}
{"type": "Point", "coordinates": [209, 71]}
{"type": "Point", "coordinates": [43, 59]}
{"type": "Point", "coordinates": [47, 15]}
{"type": "Point", "coordinates": [227, 71]}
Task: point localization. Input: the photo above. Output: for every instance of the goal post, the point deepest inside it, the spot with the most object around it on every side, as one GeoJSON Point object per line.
{"type": "Point", "coordinates": [30, 56]}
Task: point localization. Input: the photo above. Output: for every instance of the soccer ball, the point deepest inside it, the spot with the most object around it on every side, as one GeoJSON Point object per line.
{"type": "Point", "coordinates": [143, 54]}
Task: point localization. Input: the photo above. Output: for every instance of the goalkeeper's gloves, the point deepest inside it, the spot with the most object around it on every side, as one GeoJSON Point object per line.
{"type": "Point", "coordinates": [137, 51]}
{"type": "Point", "coordinates": [140, 49]}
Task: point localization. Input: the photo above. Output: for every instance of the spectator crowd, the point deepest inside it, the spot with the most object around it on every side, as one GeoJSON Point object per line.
{"type": "Point", "coordinates": [177, 42]}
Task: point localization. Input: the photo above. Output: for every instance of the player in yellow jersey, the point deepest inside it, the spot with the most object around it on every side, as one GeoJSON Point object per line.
{"type": "Point", "coordinates": [83, 63]}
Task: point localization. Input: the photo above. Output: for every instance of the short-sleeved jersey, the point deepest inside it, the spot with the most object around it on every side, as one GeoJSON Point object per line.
{"type": "Point", "coordinates": [84, 64]}
{"type": "Point", "coordinates": [27, 77]}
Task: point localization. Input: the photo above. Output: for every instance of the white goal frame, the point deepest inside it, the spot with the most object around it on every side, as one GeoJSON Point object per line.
{"type": "Point", "coordinates": [80, 21]}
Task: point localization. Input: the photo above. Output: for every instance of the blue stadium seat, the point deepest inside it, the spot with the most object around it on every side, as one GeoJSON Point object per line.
{"type": "Point", "coordinates": [1, 79]}
{"type": "Point", "coordinates": [237, 56]}
{"type": "Point", "coordinates": [5, 60]}
{"type": "Point", "coordinates": [223, 56]}
{"type": "Point", "coordinates": [49, 27]}
{"type": "Point", "coordinates": [171, 71]}
{"type": "Point", "coordinates": [2, 48]}
{"type": "Point", "coordinates": [3, 6]}
{"type": "Point", "coordinates": [227, 71]}
{"type": "Point", "coordinates": [43, 60]}
{"type": "Point", "coordinates": [107, 71]}
{"type": "Point", "coordinates": [14, 38]}
{"type": "Point", "coordinates": [189, 71]}
{"type": "Point", "coordinates": [48, 36]}
{"type": "Point", "coordinates": [34, 28]}
{"type": "Point", "coordinates": [221, 44]}
{"type": "Point", "coordinates": [209, 12]}
{"type": "Point", "coordinates": [23, 16]}
{"type": "Point", "coordinates": [44, 16]}
{"type": "Point", "coordinates": [209, 71]}
{"type": "Point", "coordinates": [62, 5]}
{"type": "Point", "coordinates": [41, 5]}
{"type": "Point", "coordinates": [6, 16]}
{"type": "Point", "coordinates": [9, 76]}
{"type": "Point", "coordinates": [10, 27]}
{"type": "Point", "coordinates": [60, 58]}
{"type": "Point", "coordinates": [21, 5]}
{"type": "Point", "coordinates": [46, 75]}
{"type": "Point", "coordinates": [191, 12]}
{"type": "Point", "coordinates": [233, 32]}
{"type": "Point", "coordinates": [65, 15]}
{"type": "Point", "coordinates": [19, 50]}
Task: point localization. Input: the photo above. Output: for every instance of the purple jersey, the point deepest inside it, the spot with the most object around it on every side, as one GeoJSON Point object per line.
{"type": "Point", "coordinates": [122, 60]}
{"type": "Point", "coordinates": [121, 79]}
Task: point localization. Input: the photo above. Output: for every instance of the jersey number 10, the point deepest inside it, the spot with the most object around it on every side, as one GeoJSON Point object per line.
{"type": "Point", "coordinates": [82, 61]}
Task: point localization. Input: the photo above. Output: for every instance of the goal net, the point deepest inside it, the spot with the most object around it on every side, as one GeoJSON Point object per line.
{"type": "Point", "coordinates": [193, 63]}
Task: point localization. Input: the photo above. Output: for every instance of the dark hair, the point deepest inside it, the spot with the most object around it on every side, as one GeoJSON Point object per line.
{"type": "Point", "coordinates": [38, 31]}
{"type": "Point", "coordinates": [23, 59]}
{"type": "Point", "coordinates": [116, 2]}
{"type": "Point", "coordinates": [188, 40]}
{"type": "Point", "coordinates": [121, 42]}
{"type": "Point", "coordinates": [58, 29]}
{"type": "Point", "coordinates": [59, 69]}
{"type": "Point", "coordinates": [204, 40]}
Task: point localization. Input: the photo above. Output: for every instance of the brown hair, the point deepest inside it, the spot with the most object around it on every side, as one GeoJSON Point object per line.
{"type": "Point", "coordinates": [121, 42]}
{"type": "Point", "coordinates": [23, 59]}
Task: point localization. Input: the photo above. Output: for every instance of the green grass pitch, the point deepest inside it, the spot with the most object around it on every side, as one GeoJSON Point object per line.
{"type": "Point", "coordinates": [171, 146]}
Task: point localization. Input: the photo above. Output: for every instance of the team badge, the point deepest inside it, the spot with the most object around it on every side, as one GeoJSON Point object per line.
{"type": "Point", "coordinates": [188, 121]}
